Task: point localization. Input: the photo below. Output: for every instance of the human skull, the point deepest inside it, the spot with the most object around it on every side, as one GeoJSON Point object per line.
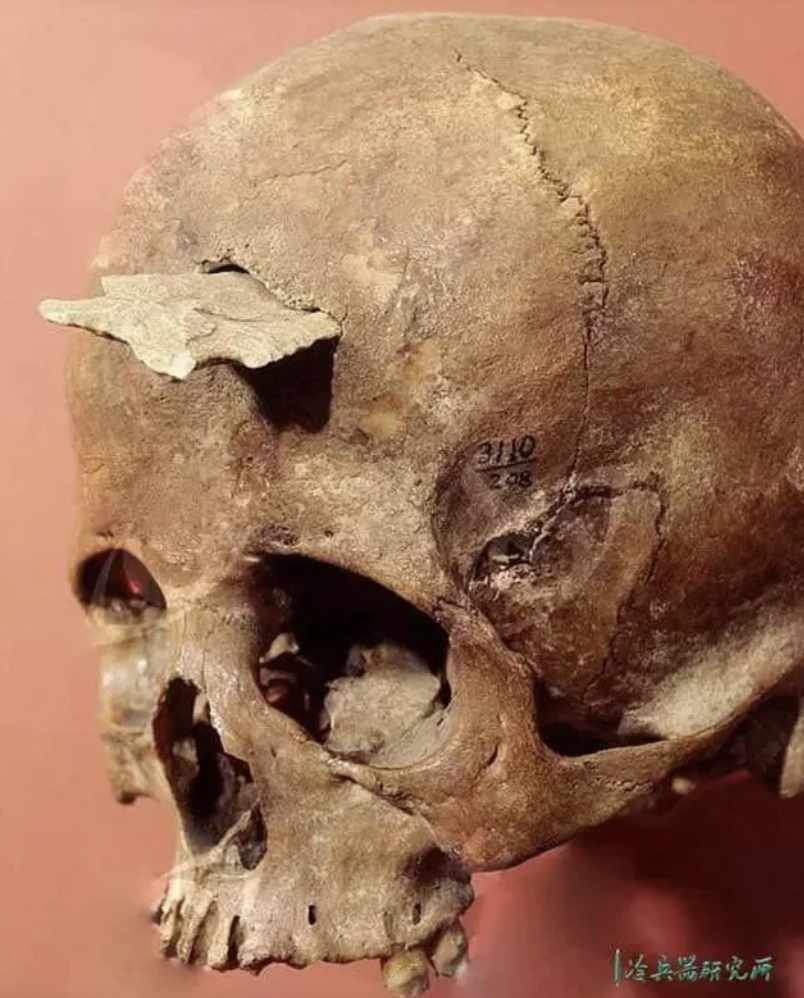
{"type": "Point", "coordinates": [442, 471]}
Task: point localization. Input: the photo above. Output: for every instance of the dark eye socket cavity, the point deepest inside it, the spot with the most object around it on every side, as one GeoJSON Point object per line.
{"type": "Point", "coordinates": [357, 666]}
{"type": "Point", "coordinates": [117, 580]}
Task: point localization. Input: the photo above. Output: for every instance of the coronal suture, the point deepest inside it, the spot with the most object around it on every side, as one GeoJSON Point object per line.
{"type": "Point", "coordinates": [437, 408]}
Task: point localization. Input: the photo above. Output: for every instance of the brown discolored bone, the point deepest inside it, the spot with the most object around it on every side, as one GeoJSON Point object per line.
{"type": "Point", "coordinates": [473, 516]}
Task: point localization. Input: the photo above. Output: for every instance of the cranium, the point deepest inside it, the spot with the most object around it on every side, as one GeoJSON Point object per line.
{"type": "Point", "coordinates": [442, 471]}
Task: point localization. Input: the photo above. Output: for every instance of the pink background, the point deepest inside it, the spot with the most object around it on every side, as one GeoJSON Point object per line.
{"type": "Point", "coordinates": [87, 88]}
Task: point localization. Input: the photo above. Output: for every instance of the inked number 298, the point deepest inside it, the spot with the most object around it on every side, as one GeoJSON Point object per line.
{"type": "Point", "coordinates": [510, 479]}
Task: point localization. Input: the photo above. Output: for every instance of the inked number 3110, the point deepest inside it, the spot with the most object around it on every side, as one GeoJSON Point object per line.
{"type": "Point", "coordinates": [507, 463]}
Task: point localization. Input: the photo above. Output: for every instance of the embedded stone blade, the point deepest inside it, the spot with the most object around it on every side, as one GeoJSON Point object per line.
{"type": "Point", "coordinates": [174, 323]}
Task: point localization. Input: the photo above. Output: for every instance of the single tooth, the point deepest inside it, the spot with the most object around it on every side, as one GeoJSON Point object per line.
{"type": "Point", "coordinates": [449, 952]}
{"type": "Point", "coordinates": [405, 973]}
{"type": "Point", "coordinates": [219, 954]}
{"type": "Point", "coordinates": [171, 926]}
{"type": "Point", "coordinates": [191, 927]}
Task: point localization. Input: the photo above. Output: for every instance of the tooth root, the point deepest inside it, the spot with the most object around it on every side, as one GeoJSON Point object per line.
{"type": "Point", "coordinates": [192, 924]}
{"type": "Point", "coordinates": [449, 951]}
{"type": "Point", "coordinates": [405, 973]}
{"type": "Point", "coordinates": [220, 951]}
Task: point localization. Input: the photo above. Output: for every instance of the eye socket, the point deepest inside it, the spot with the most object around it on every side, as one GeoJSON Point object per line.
{"type": "Point", "coordinates": [358, 667]}
{"type": "Point", "coordinates": [117, 580]}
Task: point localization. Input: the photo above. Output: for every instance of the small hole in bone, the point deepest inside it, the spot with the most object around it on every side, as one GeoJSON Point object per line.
{"type": "Point", "coordinates": [117, 580]}
{"type": "Point", "coordinates": [360, 668]}
{"type": "Point", "coordinates": [417, 913]}
{"type": "Point", "coordinates": [312, 914]}
{"type": "Point", "coordinates": [222, 266]}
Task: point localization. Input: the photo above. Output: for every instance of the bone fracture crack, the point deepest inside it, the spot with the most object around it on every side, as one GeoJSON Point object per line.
{"type": "Point", "coordinates": [593, 276]}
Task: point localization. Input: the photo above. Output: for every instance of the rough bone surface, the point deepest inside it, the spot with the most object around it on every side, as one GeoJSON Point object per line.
{"type": "Point", "coordinates": [515, 544]}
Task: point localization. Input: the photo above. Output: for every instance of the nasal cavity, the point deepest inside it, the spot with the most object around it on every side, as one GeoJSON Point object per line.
{"type": "Point", "coordinates": [213, 790]}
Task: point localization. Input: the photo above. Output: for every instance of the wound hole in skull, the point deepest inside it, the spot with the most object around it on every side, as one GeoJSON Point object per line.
{"type": "Point", "coordinates": [213, 790]}
{"type": "Point", "coordinates": [296, 390]}
{"type": "Point", "coordinates": [358, 666]}
{"type": "Point", "coordinates": [117, 581]}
